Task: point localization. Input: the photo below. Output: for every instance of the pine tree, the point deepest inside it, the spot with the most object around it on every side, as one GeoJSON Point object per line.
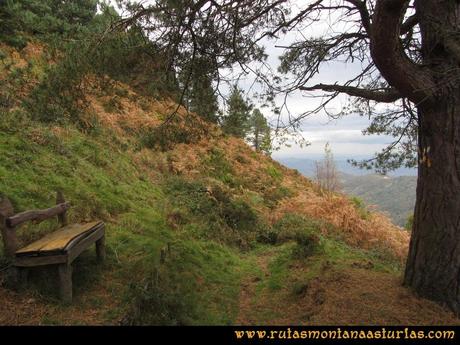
{"type": "Point", "coordinates": [260, 135]}
{"type": "Point", "coordinates": [45, 18]}
{"type": "Point", "coordinates": [201, 95]}
{"type": "Point", "coordinates": [236, 122]}
{"type": "Point", "coordinates": [203, 99]}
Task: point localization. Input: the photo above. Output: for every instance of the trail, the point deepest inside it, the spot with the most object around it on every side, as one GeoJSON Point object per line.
{"type": "Point", "coordinates": [249, 288]}
{"type": "Point", "coordinates": [30, 307]}
{"type": "Point", "coordinates": [352, 294]}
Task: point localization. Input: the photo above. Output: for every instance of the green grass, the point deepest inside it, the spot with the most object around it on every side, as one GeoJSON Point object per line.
{"type": "Point", "coordinates": [216, 237]}
{"type": "Point", "coordinates": [211, 228]}
{"type": "Point", "coordinates": [274, 173]}
{"type": "Point", "coordinates": [220, 168]}
{"type": "Point", "coordinates": [101, 182]}
{"type": "Point", "coordinates": [360, 207]}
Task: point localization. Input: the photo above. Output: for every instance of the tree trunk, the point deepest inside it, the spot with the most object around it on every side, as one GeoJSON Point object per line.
{"type": "Point", "coordinates": [433, 264]}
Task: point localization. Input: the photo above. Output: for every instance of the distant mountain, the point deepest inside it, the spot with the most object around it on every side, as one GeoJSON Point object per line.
{"type": "Point", "coordinates": [394, 194]}
{"type": "Point", "coordinates": [306, 166]}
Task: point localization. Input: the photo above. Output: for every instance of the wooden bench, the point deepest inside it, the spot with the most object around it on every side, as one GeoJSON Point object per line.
{"type": "Point", "coordinates": [59, 248]}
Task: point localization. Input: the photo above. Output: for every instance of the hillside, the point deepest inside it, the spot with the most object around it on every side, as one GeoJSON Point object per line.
{"type": "Point", "coordinates": [390, 194]}
{"type": "Point", "coordinates": [307, 165]}
{"type": "Point", "coordinates": [248, 240]}
{"type": "Point", "coordinates": [393, 194]}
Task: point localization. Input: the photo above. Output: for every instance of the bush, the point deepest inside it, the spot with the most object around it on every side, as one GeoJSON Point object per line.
{"type": "Point", "coordinates": [159, 300]}
{"type": "Point", "coordinates": [285, 229]}
{"type": "Point", "coordinates": [360, 207]}
{"type": "Point", "coordinates": [307, 244]}
{"type": "Point", "coordinates": [60, 96]}
{"type": "Point", "coordinates": [224, 217]}
{"type": "Point", "coordinates": [274, 194]}
{"type": "Point", "coordinates": [176, 130]}
{"type": "Point", "coordinates": [305, 232]}
{"type": "Point", "coordinates": [238, 215]}
{"type": "Point", "coordinates": [219, 167]}
{"type": "Point", "coordinates": [409, 223]}
{"type": "Point", "coordinates": [269, 236]}
{"type": "Point", "coordinates": [274, 173]}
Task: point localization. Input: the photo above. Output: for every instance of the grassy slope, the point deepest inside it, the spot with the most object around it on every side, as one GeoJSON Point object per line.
{"type": "Point", "coordinates": [249, 240]}
{"type": "Point", "coordinates": [102, 182]}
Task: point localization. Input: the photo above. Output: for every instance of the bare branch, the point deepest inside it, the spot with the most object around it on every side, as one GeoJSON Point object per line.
{"type": "Point", "coordinates": [363, 12]}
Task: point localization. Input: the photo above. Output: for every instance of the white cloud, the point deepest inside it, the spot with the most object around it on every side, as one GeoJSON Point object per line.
{"type": "Point", "coordinates": [344, 135]}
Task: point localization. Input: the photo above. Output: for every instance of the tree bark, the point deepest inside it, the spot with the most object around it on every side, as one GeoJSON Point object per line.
{"type": "Point", "coordinates": [433, 264]}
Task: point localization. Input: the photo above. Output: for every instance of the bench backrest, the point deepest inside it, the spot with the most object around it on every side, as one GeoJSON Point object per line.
{"type": "Point", "coordinates": [9, 221]}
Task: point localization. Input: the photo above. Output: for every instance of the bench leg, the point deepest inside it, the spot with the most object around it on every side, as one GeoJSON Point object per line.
{"type": "Point", "coordinates": [65, 283]}
{"type": "Point", "coordinates": [22, 276]}
{"type": "Point", "coordinates": [17, 277]}
{"type": "Point", "coordinates": [100, 249]}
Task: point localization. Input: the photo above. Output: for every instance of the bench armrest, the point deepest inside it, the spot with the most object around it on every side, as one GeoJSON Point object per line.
{"type": "Point", "coordinates": [37, 215]}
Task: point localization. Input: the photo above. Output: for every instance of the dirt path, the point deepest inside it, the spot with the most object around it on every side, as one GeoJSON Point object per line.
{"type": "Point", "coordinates": [249, 288]}
{"type": "Point", "coordinates": [30, 307]}
{"type": "Point", "coordinates": [354, 295]}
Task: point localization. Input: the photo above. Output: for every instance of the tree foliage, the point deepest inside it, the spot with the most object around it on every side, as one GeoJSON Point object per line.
{"type": "Point", "coordinates": [236, 121]}
{"type": "Point", "coordinates": [260, 133]}
{"type": "Point", "coordinates": [201, 96]}
{"type": "Point", "coordinates": [20, 18]}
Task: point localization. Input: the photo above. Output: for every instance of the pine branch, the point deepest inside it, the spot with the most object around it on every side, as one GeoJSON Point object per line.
{"type": "Point", "coordinates": [386, 96]}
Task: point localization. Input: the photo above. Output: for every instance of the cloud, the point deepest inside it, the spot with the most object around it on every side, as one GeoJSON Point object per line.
{"type": "Point", "coordinates": [344, 135]}
{"type": "Point", "coordinates": [356, 150]}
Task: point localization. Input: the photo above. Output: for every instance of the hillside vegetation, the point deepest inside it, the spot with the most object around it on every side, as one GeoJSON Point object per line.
{"type": "Point", "coordinates": [245, 239]}
{"type": "Point", "coordinates": [393, 195]}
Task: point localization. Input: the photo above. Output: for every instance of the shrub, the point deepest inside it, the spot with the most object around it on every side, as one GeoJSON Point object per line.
{"type": "Point", "coordinates": [238, 215]}
{"type": "Point", "coordinates": [288, 226]}
{"type": "Point", "coordinates": [307, 244]}
{"type": "Point", "coordinates": [409, 223]}
{"type": "Point", "coordinates": [176, 130]}
{"type": "Point", "coordinates": [219, 167]}
{"type": "Point", "coordinates": [274, 173]}
{"type": "Point", "coordinates": [60, 96]}
{"type": "Point", "coordinates": [304, 231]}
{"type": "Point", "coordinates": [360, 207]}
{"type": "Point", "coordinates": [159, 300]}
{"type": "Point", "coordinates": [224, 217]}
{"type": "Point", "coordinates": [276, 193]}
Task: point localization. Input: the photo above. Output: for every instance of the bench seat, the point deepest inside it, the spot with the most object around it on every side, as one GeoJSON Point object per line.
{"type": "Point", "coordinates": [61, 241]}
{"type": "Point", "coordinates": [62, 246]}
{"type": "Point", "coordinates": [59, 248]}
